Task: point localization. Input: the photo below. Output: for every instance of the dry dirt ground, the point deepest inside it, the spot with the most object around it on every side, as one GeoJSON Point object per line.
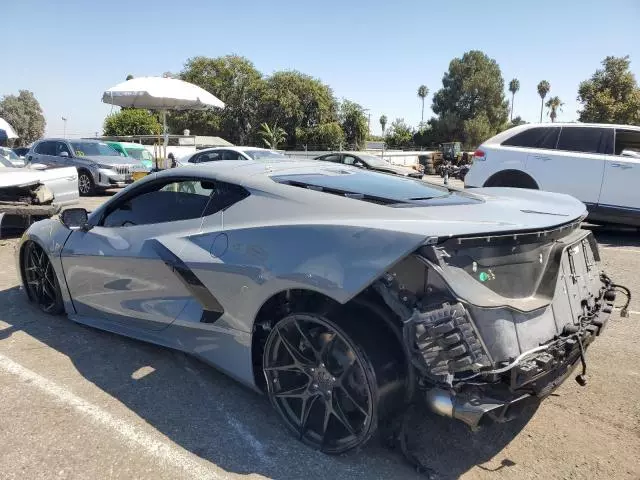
{"type": "Point", "coordinates": [81, 403]}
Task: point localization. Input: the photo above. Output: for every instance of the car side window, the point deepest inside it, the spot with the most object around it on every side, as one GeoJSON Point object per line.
{"type": "Point", "coordinates": [537, 137]}
{"type": "Point", "coordinates": [231, 155]}
{"type": "Point", "coordinates": [582, 139]}
{"type": "Point", "coordinates": [46, 148]}
{"type": "Point", "coordinates": [331, 158]}
{"type": "Point", "coordinates": [168, 201]}
{"type": "Point", "coordinates": [349, 160]}
{"type": "Point", "coordinates": [223, 196]}
{"type": "Point", "coordinates": [628, 143]}
{"type": "Point", "coordinates": [209, 157]}
{"type": "Point", "coordinates": [62, 147]}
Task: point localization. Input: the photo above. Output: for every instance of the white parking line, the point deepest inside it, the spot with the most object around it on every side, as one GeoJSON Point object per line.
{"type": "Point", "coordinates": [166, 454]}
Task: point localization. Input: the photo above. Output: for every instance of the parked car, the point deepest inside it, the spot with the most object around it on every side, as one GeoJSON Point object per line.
{"type": "Point", "coordinates": [231, 153]}
{"type": "Point", "coordinates": [370, 162]}
{"type": "Point", "coordinates": [341, 293]}
{"type": "Point", "coordinates": [99, 166]}
{"type": "Point", "coordinates": [133, 150]}
{"type": "Point", "coordinates": [21, 151]}
{"type": "Point", "coordinates": [32, 193]}
{"type": "Point", "coordinates": [597, 164]}
{"type": "Point", "coordinates": [8, 155]}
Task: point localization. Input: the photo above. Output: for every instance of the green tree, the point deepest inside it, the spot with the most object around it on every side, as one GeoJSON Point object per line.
{"type": "Point", "coordinates": [272, 136]}
{"type": "Point", "coordinates": [611, 95]}
{"type": "Point", "coordinates": [234, 80]}
{"type": "Point", "coordinates": [423, 91]}
{"type": "Point", "coordinates": [383, 123]}
{"type": "Point", "coordinates": [131, 121]}
{"type": "Point", "coordinates": [472, 87]}
{"type": "Point", "coordinates": [354, 123]}
{"type": "Point", "coordinates": [297, 102]}
{"type": "Point", "coordinates": [24, 114]}
{"type": "Point", "coordinates": [514, 86]}
{"type": "Point", "coordinates": [328, 136]}
{"type": "Point", "coordinates": [399, 134]}
{"type": "Point", "coordinates": [554, 104]}
{"type": "Point", "coordinates": [477, 130]}
{"type": "Point", "coordinates": [544, 88]}
{"type": "Point", "coordinates": [129, 77]}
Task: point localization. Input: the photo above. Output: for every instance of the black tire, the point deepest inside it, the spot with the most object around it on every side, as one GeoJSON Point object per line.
{"type": "Point", "coordinates": [40, 280]}
{"type": "Point", "coordinates": [331, 406]}
{"type": "Point", "coordinates": [86, 185]}
{"type": "Point", "coordinates": [511, 178]}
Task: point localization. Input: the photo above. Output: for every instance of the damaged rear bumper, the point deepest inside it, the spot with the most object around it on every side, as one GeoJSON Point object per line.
{"type": "Point", "coordinates": [484, 352]}
{"type": "Point", "coordinates": [486, 396]}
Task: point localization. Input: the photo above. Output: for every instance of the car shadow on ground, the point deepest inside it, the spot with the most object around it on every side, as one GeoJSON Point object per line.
{"type": "Point", "coordinates": [220, 421]}
{"type": "Point", "coordinates": [615, 236]}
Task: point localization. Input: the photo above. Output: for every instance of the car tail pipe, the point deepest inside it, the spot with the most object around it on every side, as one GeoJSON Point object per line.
{"type": "Point", "coordinates": [475, 411]}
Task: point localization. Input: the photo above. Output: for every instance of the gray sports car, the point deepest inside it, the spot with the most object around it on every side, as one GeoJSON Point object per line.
{"type": "Point", "coordinates": [341, 293]}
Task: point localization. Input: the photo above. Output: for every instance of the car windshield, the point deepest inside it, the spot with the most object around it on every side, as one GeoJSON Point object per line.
{"type": "Point", "coordinates": [93, 148]}
{"type": "Point", "coordinates": [374, 161]}
{"type": "Point", "coordinates": [9, 154]}
{"type": "Point", "coordinates": [139, 153]}
{"type": "Point", "coordinates": [265, 155]}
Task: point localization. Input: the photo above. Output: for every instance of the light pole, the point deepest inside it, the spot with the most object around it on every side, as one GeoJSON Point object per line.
{"type": "Point", "coordinates": [64, 135]}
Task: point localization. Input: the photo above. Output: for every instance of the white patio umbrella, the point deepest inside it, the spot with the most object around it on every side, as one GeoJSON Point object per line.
{"type": "Point", "coordinates": [163, 94]}
{"type": "Point", "coordinates": [8, 129]}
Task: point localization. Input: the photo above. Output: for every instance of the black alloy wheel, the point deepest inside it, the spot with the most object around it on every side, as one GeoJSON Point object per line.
{"type": "Point", "coordinates": [40, 279]}
{"type": "Point", "coordinates": [322, 383]}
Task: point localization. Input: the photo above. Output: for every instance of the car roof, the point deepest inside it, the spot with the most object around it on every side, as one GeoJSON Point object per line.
{"type": "Point", "coordinates": [126, 144]}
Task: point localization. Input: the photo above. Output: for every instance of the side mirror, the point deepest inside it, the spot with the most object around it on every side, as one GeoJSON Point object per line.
{"type": "Point", "coordinates": [64, 154]}
{"type": "Point", "coordinates": [74, 218]}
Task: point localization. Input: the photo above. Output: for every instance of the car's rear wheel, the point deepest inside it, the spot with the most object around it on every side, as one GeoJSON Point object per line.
{"type": "Point", "coordinates": [327, 381]}
{"type": "Point", "coordinates": [86, 186]}
{"type": "Point", "coordinates": [40, 280]}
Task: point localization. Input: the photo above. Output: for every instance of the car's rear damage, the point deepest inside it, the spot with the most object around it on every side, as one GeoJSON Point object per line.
{"type": "Point", "coordinates": [493, 323]}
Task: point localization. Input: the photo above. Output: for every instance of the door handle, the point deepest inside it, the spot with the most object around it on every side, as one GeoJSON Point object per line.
{"type": "Point", "coordinates": [542, 157]}
{"type": "Point", "coordinates": [624, 166]}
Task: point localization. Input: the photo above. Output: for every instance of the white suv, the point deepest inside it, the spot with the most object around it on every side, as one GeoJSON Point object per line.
{"type": "Point", "coordinates": [598, 164]}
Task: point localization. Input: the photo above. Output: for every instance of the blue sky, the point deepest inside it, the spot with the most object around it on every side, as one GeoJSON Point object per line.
{"type": "Point", "coordinates": [375, 53]}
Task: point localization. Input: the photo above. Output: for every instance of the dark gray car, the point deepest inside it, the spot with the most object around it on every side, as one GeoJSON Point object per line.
{"type": "Point", "coordinates": [370, 162]}
{"type": "Point", "coordinates": [99, 166]}
{"type": "Point", "coordinates": [341, 293]}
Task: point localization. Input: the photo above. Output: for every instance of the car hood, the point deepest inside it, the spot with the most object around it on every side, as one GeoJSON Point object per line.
{"type": "Point", "coordinates": [489, 210]}
{"type": "Point", "coordinates": [109, 160]}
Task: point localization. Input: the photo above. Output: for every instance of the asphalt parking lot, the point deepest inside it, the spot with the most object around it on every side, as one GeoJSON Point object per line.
{"type": "Point", "coordinates": [81, 403]}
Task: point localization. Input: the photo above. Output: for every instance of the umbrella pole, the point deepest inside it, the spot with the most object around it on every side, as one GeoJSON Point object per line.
{"type": "Point", "coordinates": [166, 135]}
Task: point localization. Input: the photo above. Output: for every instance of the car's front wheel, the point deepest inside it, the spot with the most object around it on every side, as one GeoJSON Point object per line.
{"type": "Point", "coordinates": [86, 185]}
{"type": "Point", "coordinates": [40, 280]}
{"type": "Point", "coordinates": [328, 381]}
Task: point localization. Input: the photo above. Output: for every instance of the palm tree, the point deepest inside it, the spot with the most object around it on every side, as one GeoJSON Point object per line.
{"type": "Point", "coordinates": [543, 88]}
{"type": "Point", "coordinates": [423, 91]}
{"type": "Point", "coordinates": [554, 104]}
{"type": "Point", "coordinates": [272, 136]}
{"type": "Point", "coordinates": [383, 123]}
{"type": "Point", "coordinates": [514, 86]}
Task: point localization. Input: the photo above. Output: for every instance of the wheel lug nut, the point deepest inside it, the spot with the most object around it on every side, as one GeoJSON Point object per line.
{"type": "Point", "coordinates": [322, 365]}
{"type": "Point", "coordinates": [328, 392]}
{"type": "Point", "coordinates": [313, 370]}
{"type": "Point", "coordinates": [314, 386]}
{"type": "Point", "coordinates": [333, 379]}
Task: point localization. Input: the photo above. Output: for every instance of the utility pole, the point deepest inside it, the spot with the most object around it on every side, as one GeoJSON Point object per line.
{"type": "Point", "coordinates": [64, 135]}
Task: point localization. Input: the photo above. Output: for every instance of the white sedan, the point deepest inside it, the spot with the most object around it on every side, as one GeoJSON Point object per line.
{"type": "Point", "coordinates": [230, 153]}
